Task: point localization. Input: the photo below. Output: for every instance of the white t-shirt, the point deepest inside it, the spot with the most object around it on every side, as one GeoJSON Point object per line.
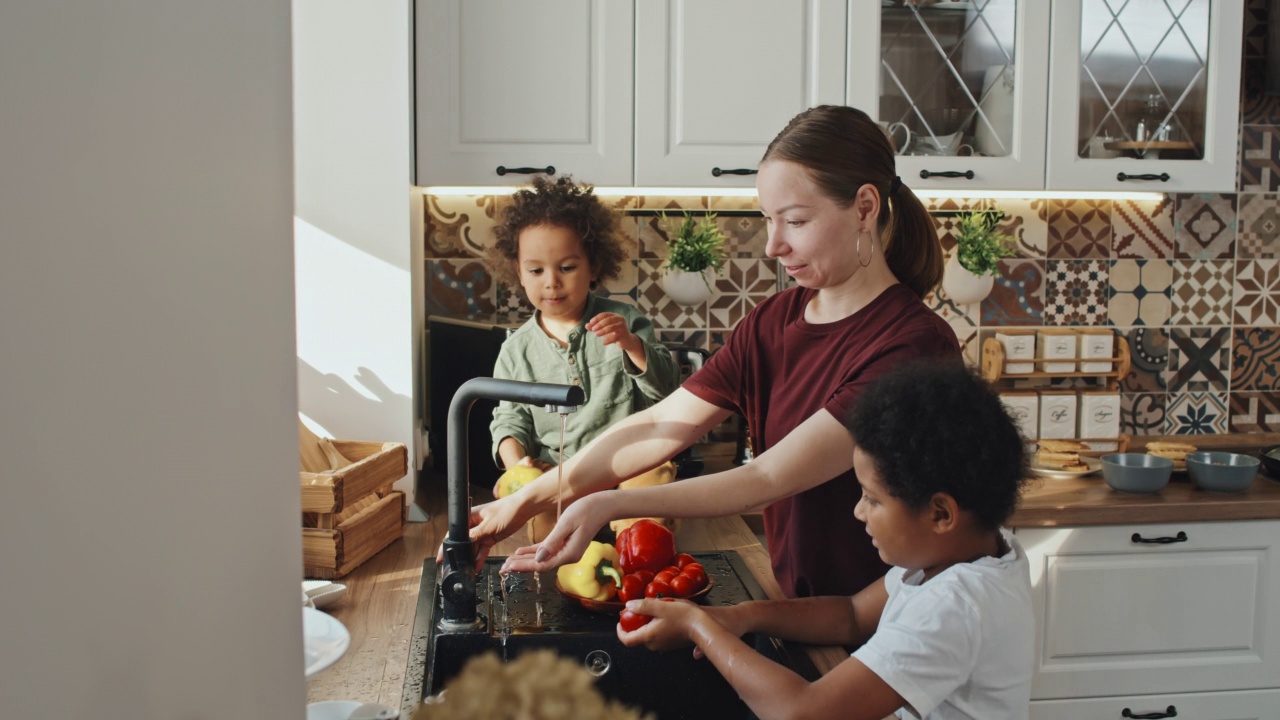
{"type": "Point", "coordinates": [962, 644]}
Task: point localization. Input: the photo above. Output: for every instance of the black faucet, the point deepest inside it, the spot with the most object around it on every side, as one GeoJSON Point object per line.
{"type": "Point", "coordinates": [458, 584]}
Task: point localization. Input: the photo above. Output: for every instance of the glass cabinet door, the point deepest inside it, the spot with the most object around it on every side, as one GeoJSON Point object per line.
{"type": "Point", "coordinates": [958, 86]}
{"type": "Point", "coordinates": [1144, 95]}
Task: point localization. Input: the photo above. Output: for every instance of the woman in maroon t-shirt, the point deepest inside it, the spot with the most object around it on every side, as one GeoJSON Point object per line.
{"type": "Point", "coordinates": [863, 253]}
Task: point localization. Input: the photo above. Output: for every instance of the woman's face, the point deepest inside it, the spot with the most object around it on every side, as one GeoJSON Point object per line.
{"type": "Point", "coordinates": [812, 237]}
{"type": "Point", "coordinates": [554, 271]}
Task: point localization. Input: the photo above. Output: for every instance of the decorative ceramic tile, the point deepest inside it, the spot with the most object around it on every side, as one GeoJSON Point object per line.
{"type": "Point", "coordinates": [1204, 226]}
{"type": "Point", "coordinates": [684, 338]}
{"type": "Point", "coordinates": [623, 287]}
{"type": "Point", "coordinates": [717, 338]}
{"type": "Point", "coordinates": [733, 202]}
{"type": "Point", "coordinates": [1196, 414]}
{"type": "Point", "coordinates": [673, 204]}
{"type": "Point", "coordinates": [511, 299]}
{"type": "Point", "coordinates": [1018, 295]}
{"type": "Point", "coordinates": [740, 286]}
{"type": "Point", "coordinates": [1139, 292]}
{"type": "Point", "coordinates": [460, 225]}
{"type": "Point", "coordinates": [1254, 412]}
{"type": "Point", "coordinates": [1148, 360]}
{"type": "Point", "coordinates": [1258, 229]}
{"type": "Point", "coordinates": [1257, 292]}
{"type": "Point", "coordinates": [1256, 106]}
{"type": "Point", "coordinates": [1076, 292]}
{"type": "Point", "coordinates": [1079, 228]}
{"type": "Point", "coordinates": [1142, 228]}
{"type": "Point", "coordinates": [963, 320]}
{"type": "Point", "coordinates": [952, 204]}
{"type": "Point", "coordinates": [667, 314]}
{"type": "Point", "coordinates": [1255, 357]}
{"type": "Point", "coordinates": [652, 234]}
{"type": "Point", "coordinates": [1259, 158]}
{"type": "Point", "coordinates": [1202, 292]}
{"type": "Point", "coordinates": [745, 237]}
{"type": "Point", "coordinates": [1199, 359]}
{"type": "Point", "coordinates": [1026, 220]}
{"type": "Point", "coordinates": [1142, 413]}
{"type": "Point", "coordinates": [458, 287]}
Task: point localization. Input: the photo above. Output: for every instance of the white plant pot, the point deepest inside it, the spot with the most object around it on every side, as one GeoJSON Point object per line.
{"type": "Point", "coordinates": [688, 288]}
{"type": "Point", "coordinates": [962, 286]}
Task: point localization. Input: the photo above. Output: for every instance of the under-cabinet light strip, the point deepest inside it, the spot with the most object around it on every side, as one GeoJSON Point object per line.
{"type": "Point", "coordinates": [751, 192]}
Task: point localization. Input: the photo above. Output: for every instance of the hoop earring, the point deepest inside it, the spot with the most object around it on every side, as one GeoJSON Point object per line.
{"type": "Point", "coordinates": [857, 248]}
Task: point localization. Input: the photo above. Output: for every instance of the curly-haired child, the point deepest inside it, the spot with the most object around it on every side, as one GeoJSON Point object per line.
{"type": "Point", "coordinates": [949, 631]}
{"type": "Point", "coordinates": [558, 241]}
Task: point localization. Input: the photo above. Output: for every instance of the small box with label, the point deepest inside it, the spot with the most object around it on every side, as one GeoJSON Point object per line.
{"type": "Point", "coordinates": [1018, 345]}
{"type": "Point", "coordinates": [1097, 343]}
{"type": "Point", "coordinates": [1057, 344]}
{"type": "Point", "coordinates": [1100, 418]}
{"type": "Point", "coordinates": [1025, 409]}
{"type": "Point", "coordinates": [1057, 414]}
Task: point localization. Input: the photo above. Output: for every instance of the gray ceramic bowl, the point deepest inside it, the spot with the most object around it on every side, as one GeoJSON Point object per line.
{"type": "Point", "coordinates": [1136, 472]}
{"type": "Point", "coordinates": [1222, 471]}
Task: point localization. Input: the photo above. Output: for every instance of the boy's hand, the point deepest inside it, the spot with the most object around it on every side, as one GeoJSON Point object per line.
{"type": "Point", "coordinates": [672, 625]}
{"type": "Point", "coordinates": [612, 328]}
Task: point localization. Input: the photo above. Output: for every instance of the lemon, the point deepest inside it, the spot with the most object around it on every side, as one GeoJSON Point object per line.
{"type": "Point", "coordinates": [515, 478]}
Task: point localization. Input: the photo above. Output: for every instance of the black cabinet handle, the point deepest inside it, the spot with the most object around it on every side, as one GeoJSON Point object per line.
{"type": "Point", "coordinates": [1171, 712]}
{"type": "Point", "coordinates": [1162, 177]}
{"type": "Point", "coordinates": [503, 170]}
{"type": "Point", "coordinates": [967, 174]}
{"type": "Point", "coordinates": [1180, 537]}
{"type": "Point", "coordinates": [733, 171]}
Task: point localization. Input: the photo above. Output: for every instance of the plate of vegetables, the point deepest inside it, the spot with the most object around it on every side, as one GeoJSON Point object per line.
{"type": "Point", "coordinates": [642, 563]}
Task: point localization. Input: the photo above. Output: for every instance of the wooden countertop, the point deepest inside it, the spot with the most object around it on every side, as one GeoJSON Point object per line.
{"type": "Point", "coordinates": [1088, 500]}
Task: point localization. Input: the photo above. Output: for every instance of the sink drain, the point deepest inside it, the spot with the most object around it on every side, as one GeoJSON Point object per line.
{"type": "Point", "coordinates": [597, 662]}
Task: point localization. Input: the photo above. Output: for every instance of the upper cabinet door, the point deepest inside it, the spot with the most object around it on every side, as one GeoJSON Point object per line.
{"type": "Point", "coordinates": [1144, 95]}
{"type": "Point", "coordinates": [959, 85]}
{"type": "Point", "coordinates": [523, 85]}
{"type": "Point", "coordinates": [716, 80]}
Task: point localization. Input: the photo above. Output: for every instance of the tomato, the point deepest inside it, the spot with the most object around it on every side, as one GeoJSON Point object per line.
{"type": "Point", "coordinates": [694, 572]}
{"type": "Point", "coordinates": [683, 586]}
{"type": "Point", "coordinates": [645, 575]}
{"type": "Point", "coordinates": [684, 559]}
{"type": "Point", "coordinates": [674, 570]}
{"type": "Point", "coordinates": [632, 588]}
{"type": "Point", "coordinates": [665, 576]}
{"type": "Point", "coordinates": [632, 621]}
{"type": "Point", "coordinates": [657, 589]}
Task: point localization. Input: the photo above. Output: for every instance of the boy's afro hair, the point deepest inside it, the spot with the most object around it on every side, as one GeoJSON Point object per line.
{"type": "Point", "coordinates": [936, 426]}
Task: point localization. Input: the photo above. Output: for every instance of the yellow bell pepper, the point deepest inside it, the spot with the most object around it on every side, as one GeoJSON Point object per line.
{"type": "Point", "coordinates": [595, 576]}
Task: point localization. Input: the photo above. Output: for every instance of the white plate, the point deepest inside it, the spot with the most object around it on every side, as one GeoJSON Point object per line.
{"type": "Point", "coordinates": [323, 593]}
{"type": "Point", "coordinates": [324, 640]}
{"type": "Point", "coordinates": [1094, 465]}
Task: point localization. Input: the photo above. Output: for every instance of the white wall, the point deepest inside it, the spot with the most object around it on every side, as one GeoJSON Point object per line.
{"type": "Point", "coordinates": [354, 285]}
{"type": "Point", "coordinates": [149, 544]}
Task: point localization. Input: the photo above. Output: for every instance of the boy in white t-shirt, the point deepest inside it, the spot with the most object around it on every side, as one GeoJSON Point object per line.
{"type": "Point", "coordinates": [949, 631]}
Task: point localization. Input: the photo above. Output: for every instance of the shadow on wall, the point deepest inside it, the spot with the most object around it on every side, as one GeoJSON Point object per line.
{"type": "Point", "coordinates": [349, 413]}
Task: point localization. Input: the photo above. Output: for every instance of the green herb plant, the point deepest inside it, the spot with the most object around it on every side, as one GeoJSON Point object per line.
{"type": "Point", "coordinates": [694, 245]}
{"type": "Point", "coordinates": [979, 242]}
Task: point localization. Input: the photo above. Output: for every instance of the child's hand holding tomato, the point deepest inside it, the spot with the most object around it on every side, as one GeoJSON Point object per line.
{"type": "Point", "coordinates": [671, 625]}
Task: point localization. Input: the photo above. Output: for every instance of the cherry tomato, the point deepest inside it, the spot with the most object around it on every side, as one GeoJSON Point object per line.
{"type": "Point", "coordinates": [665, 576]}
{"type": "Point", "coordinates": [682, 586]}
{"type": "Point", "coordinates": [657, 589]}
{"type": "Point", "coordinates": [632, 621]}
{"type": "Point", "coordinates": [694, 572]}
{"type": "Point", "coordinates": [645, 575]}
{"type": "Point", "coordinates": [674, 570]}
{"type": "Point", "coordinates": [684, 559]}
{"type": "Point", "coordinates": [632, 588]}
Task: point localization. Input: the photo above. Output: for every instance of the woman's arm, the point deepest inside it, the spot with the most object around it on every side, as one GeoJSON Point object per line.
{"type": "Point", "coordinates": [816, 451]}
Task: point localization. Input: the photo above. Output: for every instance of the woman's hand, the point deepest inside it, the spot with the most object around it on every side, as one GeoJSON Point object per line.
{"type": "Point", "coordinates": [491, 523]}
{"type": "Point", "coordinates": [672, 625]}
{"type": "Point", "coordinates": [566, 542]}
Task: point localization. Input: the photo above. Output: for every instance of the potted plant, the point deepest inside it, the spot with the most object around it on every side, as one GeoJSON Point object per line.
{"type": "Point", "coordinates": [695, 250]}
{"type": "Point", "coordinates": [980, 245]}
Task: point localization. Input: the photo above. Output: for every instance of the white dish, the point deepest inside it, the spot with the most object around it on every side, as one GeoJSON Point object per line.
{"type": "Point", "coordinates": [332, 709]}
{"type": "Point", "coordinates": [324, 640]}
{"type": "Point", "coordinates": [1093, 465]}
{"type": "Point", "coordinates": [323, 593]}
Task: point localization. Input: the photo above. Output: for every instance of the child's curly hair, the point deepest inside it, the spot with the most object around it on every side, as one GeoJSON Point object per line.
{"type": "Point", "coordinates": [936, 426]}
{"type": "Point", "coordinates": [558, 202]}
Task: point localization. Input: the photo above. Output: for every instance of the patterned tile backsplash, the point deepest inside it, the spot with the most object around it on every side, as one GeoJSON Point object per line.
{"type": "Point", "coordinates": [1192, 281]}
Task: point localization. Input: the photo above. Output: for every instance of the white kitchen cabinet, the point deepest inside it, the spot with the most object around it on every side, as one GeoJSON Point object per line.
{"type": "Point", "coordinates": [523, 86]}
{"type": "Point", "coordinates": [1142, 611]}
{"type": "Point", "coordinates": [961, 86]}
{"type": "Point", "coordinates": [1173, 67]}
{"type": "Point", "coordinates": [717, 79]}
{"type": "Point", "coordinates": [1249, 705]}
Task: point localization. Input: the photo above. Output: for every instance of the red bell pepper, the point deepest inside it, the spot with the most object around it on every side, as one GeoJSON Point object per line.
{"type": "Point", "coordinates": [646, 545]}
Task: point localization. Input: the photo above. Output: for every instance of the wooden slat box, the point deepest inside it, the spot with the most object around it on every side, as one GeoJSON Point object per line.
{"type": "Point", "coordinates": [365, 527]}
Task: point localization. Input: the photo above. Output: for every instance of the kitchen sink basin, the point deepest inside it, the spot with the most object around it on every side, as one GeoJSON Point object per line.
{"type": "Point", "coordinates": [533, 615]}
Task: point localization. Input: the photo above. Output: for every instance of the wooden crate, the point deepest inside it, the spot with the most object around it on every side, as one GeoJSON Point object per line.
{"type": "Point", "coordinates": [349, 508]}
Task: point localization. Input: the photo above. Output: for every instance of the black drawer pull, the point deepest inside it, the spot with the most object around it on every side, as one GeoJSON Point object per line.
{"type": "Point", "coordinates": [1162, 177]}
{"type": "Point", "coordinates": [733, 171]}
{"type": "Point", "coordinates": [1171, 712]}
{"type": "Point", "coordinates": [967, 174]}
{"type": "Point", "coordinates": [1180, 537]}
{"type": "Point", "coordinates": [550, 170]}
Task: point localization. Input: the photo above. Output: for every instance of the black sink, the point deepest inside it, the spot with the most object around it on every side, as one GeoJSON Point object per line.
{"type": "Point", "coordinates": [672, 685]}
